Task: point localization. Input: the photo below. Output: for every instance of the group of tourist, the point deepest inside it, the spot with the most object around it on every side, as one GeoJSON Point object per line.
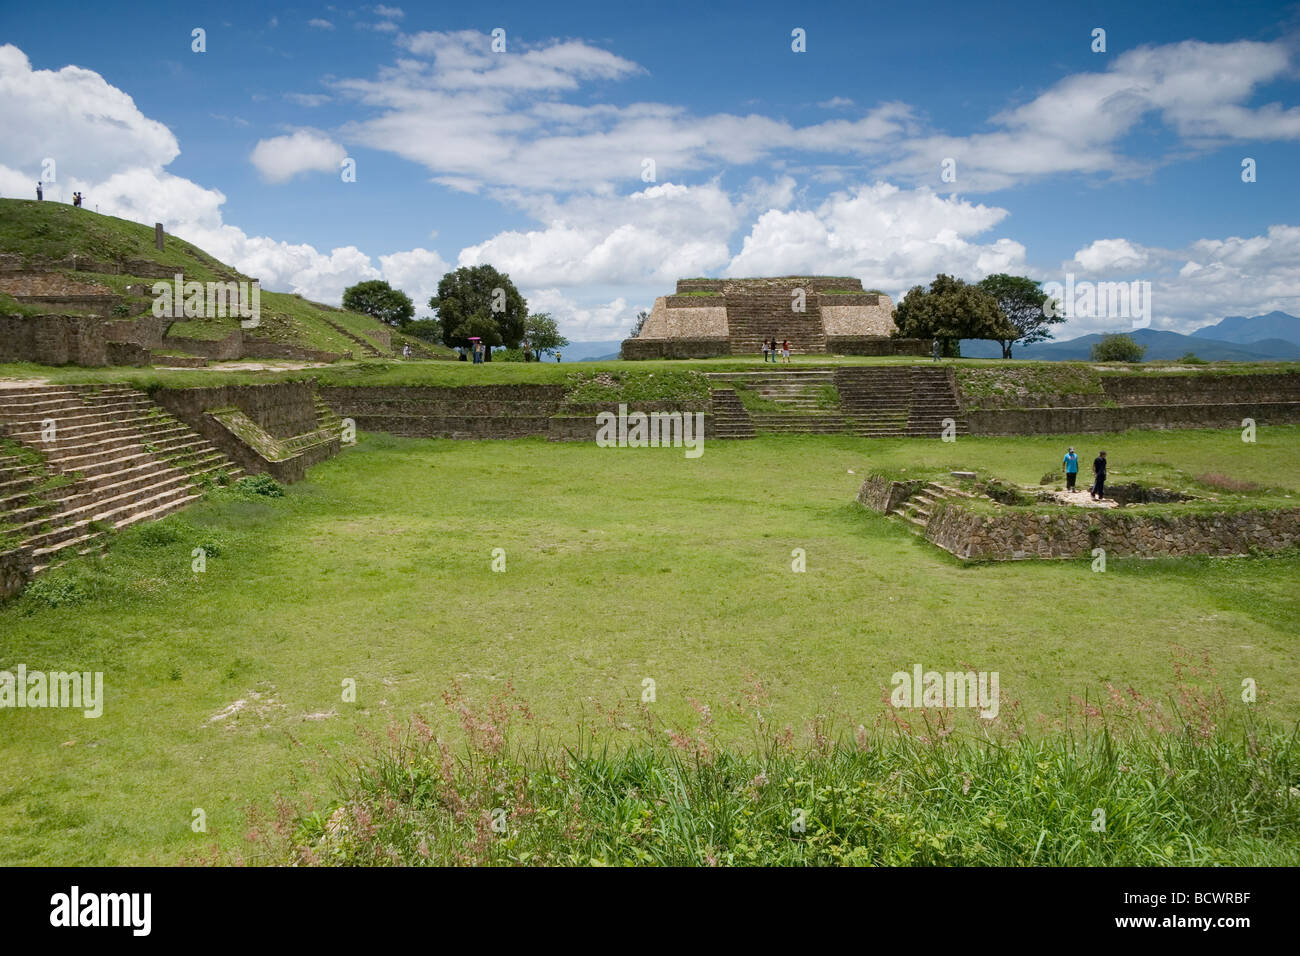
{"type": "Point", "coordinates": [1071, 462]}
{"type": "Point", "coordinates": [40, 195]}
{"type": "Point", "coordinates": [771, 347]}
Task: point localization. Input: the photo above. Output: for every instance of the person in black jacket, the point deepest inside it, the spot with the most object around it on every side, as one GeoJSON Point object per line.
{"type": "Point", "coordinates": [1099, 476]}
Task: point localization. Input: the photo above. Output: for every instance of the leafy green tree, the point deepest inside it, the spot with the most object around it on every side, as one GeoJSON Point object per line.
{"type": "Point", "coordinates": [950, 310]}
{"type": "Point", "coordinates": [1021, 302]}
{"type": "Point", "coordinates": [480, 301]}
{"type": "Point", "coordinates": [426, 330]}
{"type": "Point", "coordinates": [380, 300]}
{"type": "Point", "coordinates": [1118, 348]}
{"type": "Point", "coordinates": [543, 334]}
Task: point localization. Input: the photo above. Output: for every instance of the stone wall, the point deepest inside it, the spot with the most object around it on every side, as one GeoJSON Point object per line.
{"type": "Point", "coordinates": [857, 316]}
{"type": "Point", "coordinates": [221, 350]}
{"type": "Point", "coordinates": [875, 345]}
{"type": "Point", "coordinates": [101, 305]}
{"type": "Point", "coordinates": [15, 571]}
{"type": "Point", "coordinates": [1065, 421]}
{"type": "Point", "coordinates": [239, 345]}
{"type": "Point", "coordinates": [884, 495]}
{"type": "Point", "coordinates": [146, 330]}
{"type": "Point", "coordinates": [1201, 388]}
{"type": "Point", "coordinates": [128, 353]}
{"type": "Point", "coordinates": [675, 348]}
{"type": "Point", "coordinates": [1075, 533]}
{"type": "Point", "coordinates": [266, 349]}
{"type": "Point", "coordinates": [468, 411]}
{"type": "Point", "coordinates": [53, 339]}
{"type": "Point", "coordinates": [282, 409]}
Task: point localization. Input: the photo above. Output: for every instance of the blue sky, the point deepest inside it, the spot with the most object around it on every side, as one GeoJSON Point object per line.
{"type": "Point", "coordinates": [1117, 165]}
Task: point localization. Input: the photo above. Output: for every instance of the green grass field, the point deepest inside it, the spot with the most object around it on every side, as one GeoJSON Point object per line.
{"type": "Point", "coordinates": [225, 688]}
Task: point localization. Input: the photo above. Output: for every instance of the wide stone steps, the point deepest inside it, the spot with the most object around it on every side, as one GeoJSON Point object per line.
{"type": "Point", "coordinates": [729, 419]}
{"type": "Point", "coordinates": [122, 458]}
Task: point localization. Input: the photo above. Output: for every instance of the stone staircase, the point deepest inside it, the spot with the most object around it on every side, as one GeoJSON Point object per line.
{"type": "Point", "coordinates": [873, 401]}
{"type": "Point", "coordinates": [729, 417]}
{"type": "Point", "coordinates": [367, 347]}
{"type": "Point", "coordinates": [114, 456]}
{"type": "Point", "coordinates": [918, 508]}
{"type": "Point", "coordinates": [884, 401]}
{"type": "Point", "coordinates": [798, 391]}
{"type": "Point", "coordinates": [753, 317]}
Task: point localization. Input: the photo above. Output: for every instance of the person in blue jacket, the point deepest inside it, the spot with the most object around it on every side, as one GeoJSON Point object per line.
{"type": "Point", "coordinates": [1071, 463]}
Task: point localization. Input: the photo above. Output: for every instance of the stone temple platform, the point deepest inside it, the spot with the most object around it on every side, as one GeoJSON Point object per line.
{"type": "Point", "coordinates": [817, 314]}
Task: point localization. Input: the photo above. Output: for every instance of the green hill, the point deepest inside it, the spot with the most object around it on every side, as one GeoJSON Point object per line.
{"type": "Point", "coordinates": [42, 231]}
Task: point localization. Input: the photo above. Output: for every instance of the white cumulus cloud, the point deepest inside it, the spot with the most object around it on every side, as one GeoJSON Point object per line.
{"type": "Point", "coordinates": [280, 158]}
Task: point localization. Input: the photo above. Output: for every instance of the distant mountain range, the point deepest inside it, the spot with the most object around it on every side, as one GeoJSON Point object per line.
{"type": "Point", "coordinates": [591, 351]}
{"type": "Point", "coordinates": [1273, 337]}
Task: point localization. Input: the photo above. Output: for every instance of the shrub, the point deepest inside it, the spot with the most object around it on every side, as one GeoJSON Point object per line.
{"type": "Point", "coordinates": [1118, 348]}
{"type": "Point", "coordinates": [55, 592]}
{"type": "Point", "coordinates": [263, 485]}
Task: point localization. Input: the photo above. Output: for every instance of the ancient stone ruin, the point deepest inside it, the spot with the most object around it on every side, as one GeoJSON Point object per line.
{"type": "Point", "coordinates": [817, 314]}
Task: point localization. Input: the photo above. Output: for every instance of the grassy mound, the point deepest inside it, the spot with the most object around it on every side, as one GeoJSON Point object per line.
{"type": "Point", "coordinates": [50, 230]}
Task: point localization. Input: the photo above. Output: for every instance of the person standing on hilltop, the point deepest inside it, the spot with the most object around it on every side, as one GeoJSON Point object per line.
{"type": "Point", "coordinates": [40, 193]}
{"type": "Point", "coordinates": [1099, 470]}
{"type": "Point", "coordinates": [1071, 462]}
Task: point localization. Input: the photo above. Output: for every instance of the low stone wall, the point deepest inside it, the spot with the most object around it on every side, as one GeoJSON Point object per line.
{"type": "Point", "coordinates": [128, 353]}
{"type": "Point", "coordinates": [176, 361]}
{"type": "Point", "coordinates": [469, 411]}
{"type": "Point", "coordinates": [282, 409]}
{"type": "Point", "coordinates": [1066, 421]}
{"type": "Point", "coordinates": [875, 345]}
{"type": "Point", "coordinates": [101, 305]}
{"type": "Point", "coordinates": [884, 495]}
{"type": "Point", "coordinates": [1202, 388]}
{"type": "Point", "coordinates": [53, 339]}
{"type": "Point", "coordinates": [15, 571]}
{"type": "Point", "coordinates": [258, 452]}
{"type": "Point", "coordinates": [239, 345]}
{"type": "Point", "coordinates": [146, 330]}
{"type": "Point", "coordinates": [221, 350]}
{"type": "Point", "coordinates": [1075, 533]}
{"type": "Point", "coordinates": [675, 348]}
{"type": "Point", "coordinates": [266, 349]}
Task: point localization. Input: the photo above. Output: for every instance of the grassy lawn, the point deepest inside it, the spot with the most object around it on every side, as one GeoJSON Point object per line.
{"type": "Point", "coordinates": [621, 564]}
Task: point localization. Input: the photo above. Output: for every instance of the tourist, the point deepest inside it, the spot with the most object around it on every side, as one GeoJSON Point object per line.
{"type": "Point", "coordinates": [934, 349]}
{"type": "Point", "coordinates": [406, 351]}
{"type": "Point", "coordinates": [478, 355]}
{"type": "Point", "coordinates": [1099, 470]}
{"type": "Point", "coordinates": [1071, 462]}
{"type": "Point", "coordinates": [765, 351]}
{"type": "Point", "coordinates": [76, 200]}
{"type": "Point", "coordinates": [40, 193]}
{"type": "Point", "coordinates": [785, 351]}
{"type": "Point", "coordinates": [558, 356]}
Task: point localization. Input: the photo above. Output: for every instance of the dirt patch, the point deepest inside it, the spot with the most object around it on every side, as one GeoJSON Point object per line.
{"type": "Point", "coordinates": [1080, 498]}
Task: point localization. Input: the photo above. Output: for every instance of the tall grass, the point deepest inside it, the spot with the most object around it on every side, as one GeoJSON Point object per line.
{"type": "Point", "coordinates": [1133, 782]}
